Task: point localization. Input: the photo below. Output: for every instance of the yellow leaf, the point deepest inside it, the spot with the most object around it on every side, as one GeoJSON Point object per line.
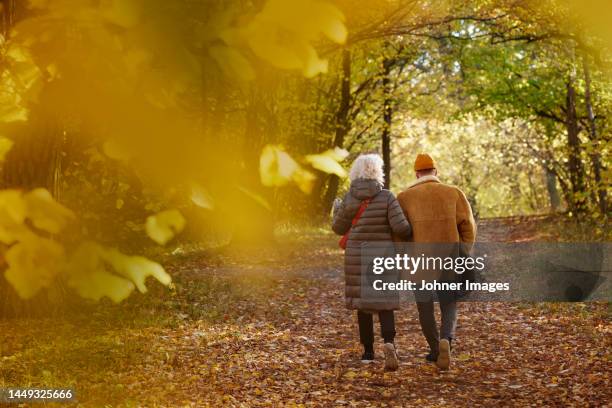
{"type": "Point", "coordinates": [12, 207]}
{"type": "Point", "coordinates": [307, 18]}
{"type": "Point", "coordinates": [162, 226]}
{"type": "Point", "coordinates": [33, 264]}
{"type": "Point", "coordinates": [115, 151]}
{"type": "Point", "coordinates": [13, 232]}
{"type": "Point", "coordinates": [18, 53]}
{"type": "Point", "coordinates": [304, 180]}
{"type": "Point", "coordinates": [276, 167]}
{"type": "Point", "coordinates": [12, 227]}
{"type": "Point", "coordinates": [89, 277]}
{"type": "Point", "coordinates": [46, 213]}
{"type": "Point", "coordinates": [137, 268]}
{"type": "Point", "coordinates": [12, 217]}
{"type": "Point", "coordinates": [12, 113]}
{"type": "Point", "coordinates": [463, 357]}
{"type": "Point", "coordinates": [326, 162]}
{"type": "Point", "coordinates": [52, 71]}
{"type": "Point", "coordinates": [119, 204]}
{"type": "Point", "coordinates": [337, 153]}
{"type": "Point", "coordinates": [313, 65]}
{"type": "Point", "coordinates": [283, 31]}
{"type": "Point", "coordinates": [350, 374]}
{"type": "Point", "coordinates": [5, 147]}
{"type": "Point", "coordinates": [331, 22]}
{"type": "Point", "coordinates": [262, 38]}
{"type": "Point", "coordinates": [201, 197]}
{"type": "Point", "coordinates": [28, 76]}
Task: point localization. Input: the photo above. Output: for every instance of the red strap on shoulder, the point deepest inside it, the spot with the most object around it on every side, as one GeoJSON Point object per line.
{"type": "Point", "coordinates": [362, 208]}
{"type": "Point", "coordinates": [360, 211]}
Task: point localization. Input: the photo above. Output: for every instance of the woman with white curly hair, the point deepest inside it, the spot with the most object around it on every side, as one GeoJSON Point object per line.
{"type": "Point", "coordinates": [368, 213]}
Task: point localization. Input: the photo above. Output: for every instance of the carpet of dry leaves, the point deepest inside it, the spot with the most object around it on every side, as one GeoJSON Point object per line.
{"type": "Point", "coordinates": [270, 329]}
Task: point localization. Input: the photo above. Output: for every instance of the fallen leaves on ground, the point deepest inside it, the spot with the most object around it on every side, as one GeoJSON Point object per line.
{"type": "Point", "coordinates": [273, 330]}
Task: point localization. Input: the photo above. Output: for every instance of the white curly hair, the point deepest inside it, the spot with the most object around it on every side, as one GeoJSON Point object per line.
{"type": "Point", "coordinates": [368, 166]}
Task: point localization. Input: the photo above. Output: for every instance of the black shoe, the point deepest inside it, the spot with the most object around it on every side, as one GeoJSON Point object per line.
{"type": "Point", "coordinates": [367, 357]}
{"type": "Point", "coordinates": [431, 357]}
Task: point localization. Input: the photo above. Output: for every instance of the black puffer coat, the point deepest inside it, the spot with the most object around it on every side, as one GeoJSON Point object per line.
{"type": "Point", "coordinates": [382, 218]}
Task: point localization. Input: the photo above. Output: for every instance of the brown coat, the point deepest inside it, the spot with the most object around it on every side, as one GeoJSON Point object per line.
{"type": "Point", "coordinates": [382, 218]}
{"type": "Point", "coordinates": [438, 213]}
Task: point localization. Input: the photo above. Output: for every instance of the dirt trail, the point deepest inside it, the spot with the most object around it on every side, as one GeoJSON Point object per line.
{"type": "Point", "coordinates": [287, 340]}
{"type": "Point", "coordinates": [505, 354]}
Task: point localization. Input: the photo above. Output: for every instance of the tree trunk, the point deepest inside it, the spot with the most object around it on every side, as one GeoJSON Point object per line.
{"type": "Point", "coordinates": [575, 167]}
{"type": "Point", "coordinates": [36, 157]}
{"type": "Point", "coordinates": [387, 117]}
{"type": "Point", "coordinates": [553, 192]}
{"type": "Point", "coordinates": [595, 155]}
{"type": "Point", "coordinates": [7, 10]}
{"type": "Point", "coordinates": [342, 125]}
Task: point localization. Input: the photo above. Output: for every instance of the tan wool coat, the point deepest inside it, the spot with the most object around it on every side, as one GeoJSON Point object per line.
{"type": "Point", "coordinates": [437, 212]}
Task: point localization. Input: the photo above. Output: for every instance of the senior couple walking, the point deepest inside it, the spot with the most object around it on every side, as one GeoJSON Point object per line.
{"type": "Point", "coordinates": [427, 211]}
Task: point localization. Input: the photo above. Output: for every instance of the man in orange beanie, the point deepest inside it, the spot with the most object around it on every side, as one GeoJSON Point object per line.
{"type": "Point", "coordinates": [439, 214]}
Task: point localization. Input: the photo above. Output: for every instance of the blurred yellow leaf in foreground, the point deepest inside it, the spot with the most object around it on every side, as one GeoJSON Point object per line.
{"type": "Point", "coordinates": [282, 34]}
{"type": "Point", "coordinates": [12, 216]}
{"type": "Point", "coordinates": [304, 180]}
{"type": "Point", "coordinates": [201, 197]}
{"type": "Point", "coordinates": [163, 226]}
{"type": "Point", "coordinates": [328, 161]}
{"type": "Point", "coordinates": [33, 264]}
{"type": "Point", "coordinates": [95, 272]}
{"type": "Point", "coordinates": [92, 270]}
{"type": "Point", "coordinates": [276, 167]}
{"type": "Point", "coordinates": [46, 213]}
{"type": "Point", "coordinates": [115, 151]}
{"type": "Point", "coordinates": [137, 268]}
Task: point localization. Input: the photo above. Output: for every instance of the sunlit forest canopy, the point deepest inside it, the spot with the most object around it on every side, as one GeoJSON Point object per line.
{"type": "Point", "coordinates": [129, 123]}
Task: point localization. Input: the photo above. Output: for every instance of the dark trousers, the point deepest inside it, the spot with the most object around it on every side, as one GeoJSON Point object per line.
{"type": "Point", "coordinates": [366, 327]}
{"type": "Point", "coordinates": [427, 318]}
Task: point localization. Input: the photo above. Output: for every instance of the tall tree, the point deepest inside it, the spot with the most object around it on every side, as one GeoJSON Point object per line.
{"type": "Point", "coordinates": [387, 115]}
{"type": "Point", "coordinates": [574, 164]}
{"type": "Point", "coordinates": [595, 145]}
{"type": "Point", "coordinates": [341, 123]}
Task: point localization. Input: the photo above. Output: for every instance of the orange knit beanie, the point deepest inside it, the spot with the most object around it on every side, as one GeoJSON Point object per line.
{"type": "Point", "coordinates": [424, 162]}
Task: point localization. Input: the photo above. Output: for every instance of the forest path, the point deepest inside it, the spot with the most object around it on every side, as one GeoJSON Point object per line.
{"type": "Point", "coordinates": [304, 348]}
{"type": "Point", "coordinates": [272, 330]}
